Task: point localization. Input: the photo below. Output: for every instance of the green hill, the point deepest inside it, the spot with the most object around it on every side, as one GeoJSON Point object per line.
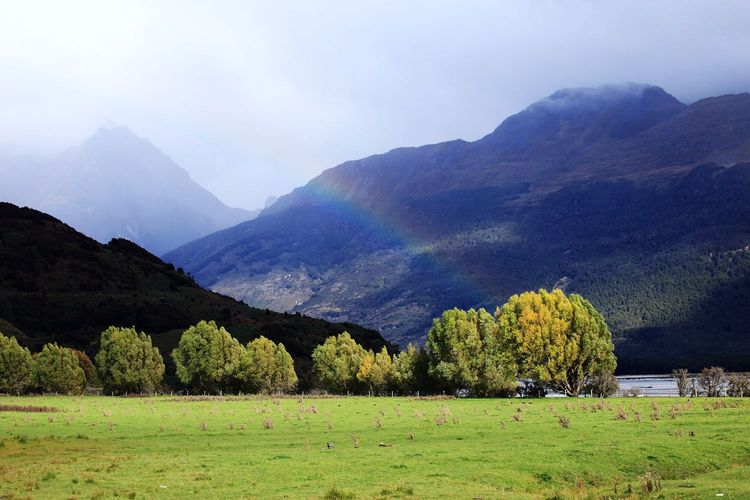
{"type": "Point", "coordinates": [57, 285]}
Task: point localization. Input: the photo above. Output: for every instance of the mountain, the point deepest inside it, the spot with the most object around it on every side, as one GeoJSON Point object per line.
{"type": "Point", "coordinates": [620, 193]}
{"type": "Point", "coordinates": [57, 285]}
{"type": "Point", "coordinates": [118, 185]}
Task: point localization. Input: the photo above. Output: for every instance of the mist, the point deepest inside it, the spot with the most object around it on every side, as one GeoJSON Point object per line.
{"type": "Point", "coordinates": [254, 99]}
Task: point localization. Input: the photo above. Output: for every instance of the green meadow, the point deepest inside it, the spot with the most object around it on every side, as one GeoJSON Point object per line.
{"type": "Point", "coordinates": [162, 447]}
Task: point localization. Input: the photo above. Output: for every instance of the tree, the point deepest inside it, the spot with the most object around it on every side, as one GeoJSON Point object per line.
{"type": "Point", "coordinates": [128, 362]}
{"type": "Point", "coordinates": [556, 339]}
{"type": "Point", "coordinates": [467, 353]}
{"type": "Point", "coordinates": [266, 367]}
{"type": "Point", "coordinates": [712, 381]}
{"type": "Point", "coordinates": [16, 365]}
{"type": "Point", "coordinates": [602, 384]}
{"type": "Point", "coordinates": [285, 377]}
{"type": "Point", "coordinates": [56, 370]}
{"type": "Point", "coordinates": [683, 382]}
{"type": "Point", "coordinates": [89, 370]}
{"type": "Point", "coordinates": [738, 385]}
{"type": "Point", "coordinates": [207, 358]}
{"type": "Point", "coordinates": [376, 370]}
{"type": "Point", "coordinates": [336, 363]}
{"type": "Point", "coordinates": [410, 369]}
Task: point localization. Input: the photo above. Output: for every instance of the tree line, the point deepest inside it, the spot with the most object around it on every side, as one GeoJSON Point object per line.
{"type": "Point", "coordinates": [547, 340]}
{"type": "Point", "coordinates": [712, 382]}
{"type": "Point", "coordinates": [207, 359]}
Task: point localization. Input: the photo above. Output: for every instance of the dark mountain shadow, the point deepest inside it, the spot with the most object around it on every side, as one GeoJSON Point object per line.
{"type": "Point", "coordinates": [716, 333]}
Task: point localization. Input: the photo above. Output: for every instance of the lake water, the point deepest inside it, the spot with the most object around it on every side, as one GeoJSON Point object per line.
{"type": "Point", "coordinates": [649, 385]}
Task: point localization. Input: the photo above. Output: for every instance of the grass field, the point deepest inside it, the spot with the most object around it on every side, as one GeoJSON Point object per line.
{"type": "Point", "coordinates": [96, 447]}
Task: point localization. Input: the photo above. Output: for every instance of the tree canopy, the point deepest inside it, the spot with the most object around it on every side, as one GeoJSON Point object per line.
{"type": "Point", "coordinates": [336, 362]}
{"type": "Point", "coordinates": [56, 369]}
{"type": "Point", "coordinates": [128, 362]}
{"type": "Point", "coordinates": [207, 357]}
{"type": "Point", "coordinates": [467, 353]}
{"type": "Point", "coordinates": [556, 339]}
{"type": "Point", "coordinates": [16, 365]}
{"type": "Point", "coordinates": [266, 367]}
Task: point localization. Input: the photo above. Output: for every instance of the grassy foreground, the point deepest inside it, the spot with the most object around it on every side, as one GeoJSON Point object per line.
{"type": "Point", "coordinates": [98, 447]}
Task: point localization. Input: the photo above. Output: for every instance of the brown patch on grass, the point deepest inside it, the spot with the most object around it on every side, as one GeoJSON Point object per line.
{"type": "Point", "coordinates": [30, 409]}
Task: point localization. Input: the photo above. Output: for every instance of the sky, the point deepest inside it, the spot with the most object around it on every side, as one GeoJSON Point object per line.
{"type": "Point", "coordinates": [256, 98]}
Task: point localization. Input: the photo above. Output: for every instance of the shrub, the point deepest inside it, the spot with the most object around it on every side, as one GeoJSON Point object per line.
{"type": "Point", "coordinates": [683, 383]}
{"type": "Point", "coordinates": [738, 385]}
{"type": "Point", "coordinates": [633, 392]}
{"type": "Point", "coordinates": [650, 483]}
{"type": "Point", "coordinates": [602, 385]}
{"type": "Point", "coordinates": [532, 389]}
{"type": "Point", "coordinates": [711, 381]}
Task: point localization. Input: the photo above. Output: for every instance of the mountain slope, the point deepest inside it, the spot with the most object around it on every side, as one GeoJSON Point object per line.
{"type": "Point", "coordinates": [620, 193]}
{"type": "Point", "coordinates": [59, 285]}
{"type": "Point", "coordinates": [117, 185]}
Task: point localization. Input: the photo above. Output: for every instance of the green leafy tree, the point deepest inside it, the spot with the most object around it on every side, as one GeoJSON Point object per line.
{"type": "Point", "coordinates": [16, 365]}
{"type": "Point", "coordinates": [467, 353]}
{"type": "Point", "coordinates": [404, 369]}
{"type": "Point", "coordinates": [266, 367]}
{"type": "Point", "coordinates": [56, 370]}
{"type": "Point", "coordinates": [555, 339]}
{"type": "Point", "coordinates": [336, 363]}
{"type": "Point", "coordinates": [376, 370]}
{"type": "Point", "coordinates": [207, 358]}
{"type": "Point", "coordinates": [128, 362]}
{"type": "Point", "coordinates": [285, 378]}
{"type": "Point", "coordinates": [89, 370]}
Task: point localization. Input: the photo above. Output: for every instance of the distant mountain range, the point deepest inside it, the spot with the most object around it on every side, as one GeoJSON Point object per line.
{"type": "Point", "coordinates": [57, 285]}
{"type": "Point", "coordinates": [620, 193]}
{"type": "Point", "coordinates": [118, 185]}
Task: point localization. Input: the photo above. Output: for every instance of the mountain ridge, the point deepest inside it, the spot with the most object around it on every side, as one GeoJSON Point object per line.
{"type": "Point", "coordinates": [391, 240]}
{"type": "Point", "coordinates": [117, 184]}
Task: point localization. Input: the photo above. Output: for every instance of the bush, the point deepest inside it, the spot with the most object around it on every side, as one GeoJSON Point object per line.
{"type": "Point", "coordinates": [602, 385]}
{"type": "Point", "coordinates": [683, 382]}
{"type": "Point", "coordinates": [739, 385]}
{"type": "Point", "coordinates": [712, 381]}
{"type": "Point", "coordinates": [56, 370]}
{"type": "Point", "coordinates": [532, 389]}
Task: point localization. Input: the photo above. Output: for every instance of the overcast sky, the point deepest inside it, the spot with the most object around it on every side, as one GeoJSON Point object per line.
{"type": "Point", "coordinates": [255, 98]}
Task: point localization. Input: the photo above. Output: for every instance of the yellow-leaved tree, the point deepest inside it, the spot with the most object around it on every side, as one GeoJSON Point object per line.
{"type": "Point", "coordinates": [555, 339]}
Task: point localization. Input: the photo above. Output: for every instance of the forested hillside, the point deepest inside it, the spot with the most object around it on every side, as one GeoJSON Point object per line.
{"type": "Point", "coordinates": [57, 285]}
{"type": "Point", "coordinates": [622, 194]}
